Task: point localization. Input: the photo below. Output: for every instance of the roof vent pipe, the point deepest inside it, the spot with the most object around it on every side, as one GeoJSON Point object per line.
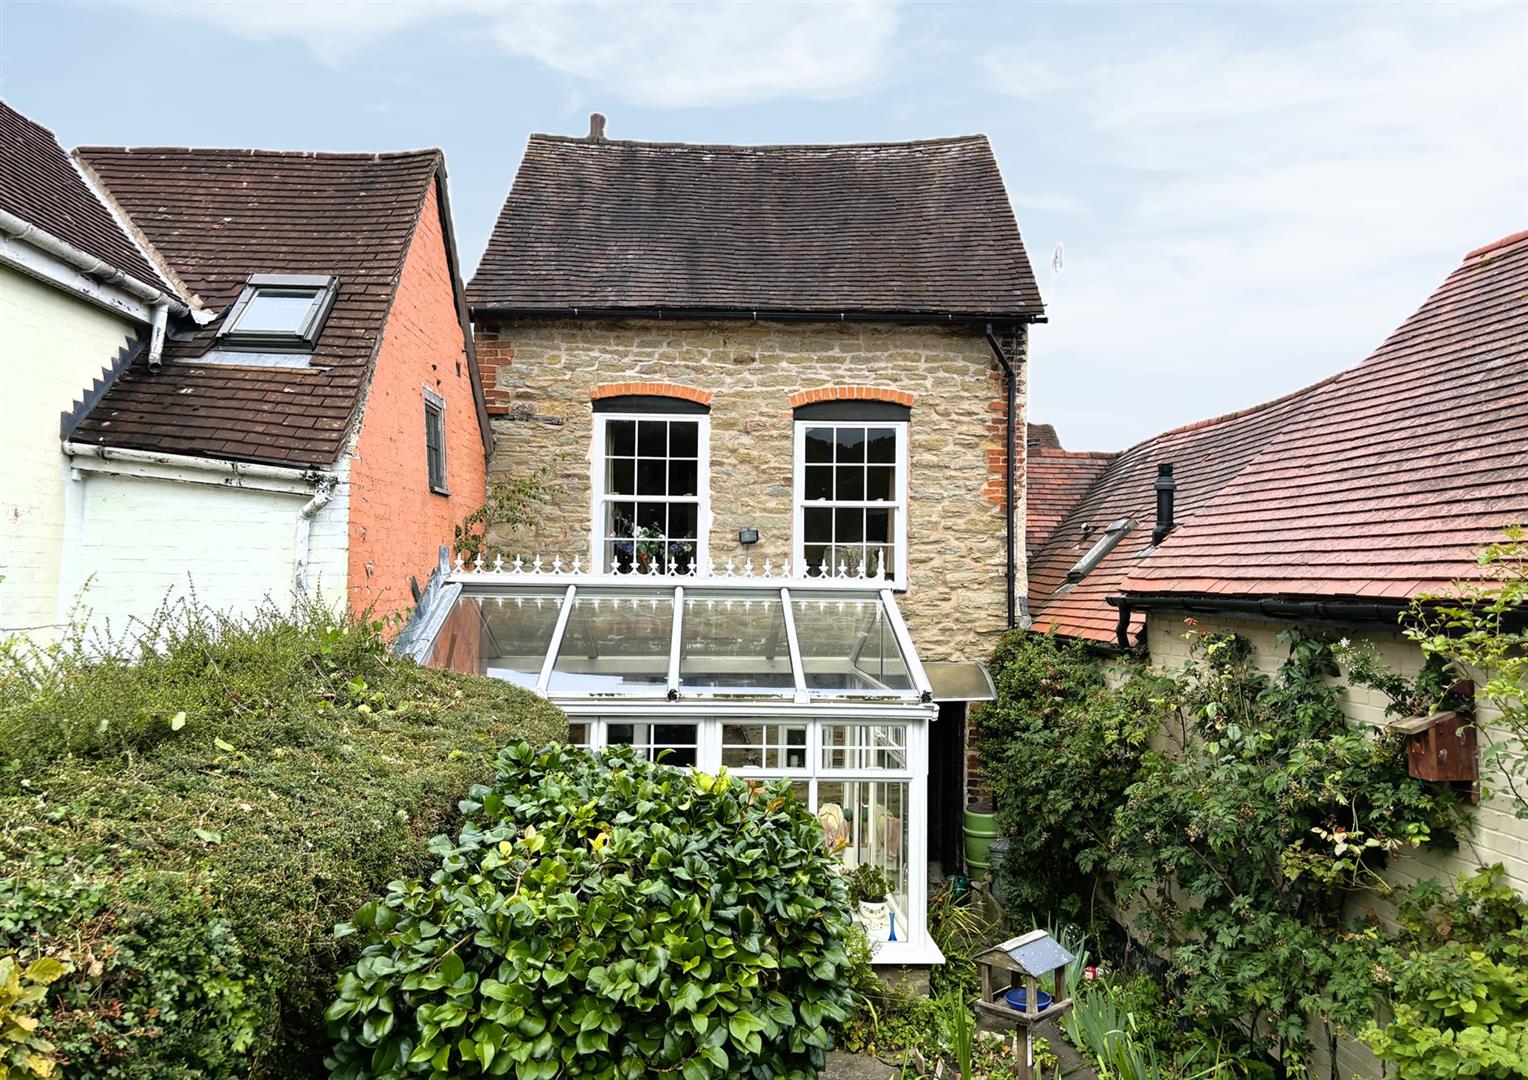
{"type": "Point", "coordinates": [1165, 485]}
{"type": "Point", "coordinates": [596, 127]}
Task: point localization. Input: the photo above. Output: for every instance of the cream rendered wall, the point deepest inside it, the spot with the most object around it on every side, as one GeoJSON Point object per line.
{"type": "Point", "coordinates": [52, 346]}
{"type": "Point", "coordinates": [139, 541]}
{"type": "Point", "coordinates": [1497, 836]}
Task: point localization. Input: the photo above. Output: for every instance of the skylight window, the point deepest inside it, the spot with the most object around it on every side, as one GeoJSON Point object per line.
{"type": "Point", "coordinates": [279, 312]}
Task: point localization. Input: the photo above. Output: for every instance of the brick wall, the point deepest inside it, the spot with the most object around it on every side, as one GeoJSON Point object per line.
{"type": "Point", "coordinates": [396, 522]}
{"type": "Point", "coordinates": [540, 375]}
{"type": "Point", "coordinates": [1497, 835]}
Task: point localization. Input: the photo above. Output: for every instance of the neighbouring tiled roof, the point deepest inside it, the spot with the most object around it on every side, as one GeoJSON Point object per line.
{"type": "Point", "coordinates": [218, 216]}
{"type": "Point", "coordinates": [1206, 456]}
{"type": "Point", "coordinates": [40, 185]}
{"type": "Point", "coordinates": [1053, 482]}
{"type": "Point", "coordinates": [1394, 474]}
{"type": "Point", "coordinates": [1042, 437]}
{"type": "Point", "coordinates": [916, 228]}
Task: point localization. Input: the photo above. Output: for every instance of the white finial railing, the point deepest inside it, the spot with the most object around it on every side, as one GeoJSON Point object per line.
{"type": "Point", "coordinates": [832, 571]}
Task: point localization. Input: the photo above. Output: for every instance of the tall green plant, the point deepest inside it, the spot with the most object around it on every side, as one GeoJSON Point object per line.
{"type": "Point", "coordinates": [1458, 982]}
{"type": "Point", "coordinates": [1059, 747]}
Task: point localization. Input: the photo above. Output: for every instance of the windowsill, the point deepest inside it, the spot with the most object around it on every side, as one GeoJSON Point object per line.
{"type": "Point", "coordinates": [922, 952]}
{"type": "Point", "coordinates": [440, 491]}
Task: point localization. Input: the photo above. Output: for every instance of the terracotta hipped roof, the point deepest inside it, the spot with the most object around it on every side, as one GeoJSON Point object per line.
{"type": "Point", "coordinates": [1395, 473]}
{"type": "Point", "coordinates": [921, 229]}
{"type": "Point", "coordinates": [1206, 456]}
{"type": "Point", "coordinates": [1053, 482]}
{"type": "Point", "coordinates": [218, 216]}
{"type": "Point", "coordinates": [40, 185]}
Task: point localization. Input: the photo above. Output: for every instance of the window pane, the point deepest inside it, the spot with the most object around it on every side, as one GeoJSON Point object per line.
{"type": "Point", "coordinates": [578, 734]}
{"type": "Point", "coordinates": [848, 526]}
{"type": "Point", "coordinates": [621, 438]}
{"type": "Point", "coordinates": [851, 444]}
{"type": "Point", "coordinates": [623, 477]}
{"type": "Point", "coordinates": [864, 747]}
{"type": "Point", "coordinates": [273, 311]}
{"type": "Point", "coordinates": [819, 482]}
{"type": "Point", "coordinates": [652, 521]}
{"type": "Point", "coordinates": [734, 646]}
{"type": "Point", "coordinates": [819, 444]}
{"type": "Point", "coordinates": [881, 446]}
{"type": "Point", "coordinates": [851, 482]}
{"type": "Point", "coordinates": [684, 439]}
{"type": "Point", "coordinates": [880, 482]}
{"type": "Point", "coordinates": [770, 746]}
{"type": "Point", "coordinates": [506, 637]}
{"type": "Point", "coordinates": [878, 527]}
{"type": "Point", "coordinates": [652, 477]}
{"type": "Point", "coordinates": [870, 820]}
{"type": "Point", "coordinates": [817, 526]}
{"type": "Point", "coordinates": [615, 644]}
{"type": "Point", "coordinates": [683, 477]}
{"type": "Point", "coordinates": [671, 744]}
{"type": "Point", "coordinates": [847, 647]}
{"type": "Point", "coordinates": [652, 438]}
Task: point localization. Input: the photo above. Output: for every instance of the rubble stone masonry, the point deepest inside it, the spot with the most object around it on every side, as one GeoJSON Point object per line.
{"type": "Point", "coordinates": [540, 376]}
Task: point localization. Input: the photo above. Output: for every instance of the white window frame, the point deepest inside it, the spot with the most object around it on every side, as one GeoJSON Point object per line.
{"type": "Point", "coordinates": [600, 496]}
{"type": "Point", "coordinates": [799, 503]}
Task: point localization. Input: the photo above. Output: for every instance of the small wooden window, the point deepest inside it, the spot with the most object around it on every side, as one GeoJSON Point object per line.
{"type": "Point", "coordinates": [435, 440]}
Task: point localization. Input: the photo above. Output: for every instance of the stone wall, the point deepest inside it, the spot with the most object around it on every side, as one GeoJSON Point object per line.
{"type": "Point", "coordinates": [540, 375]}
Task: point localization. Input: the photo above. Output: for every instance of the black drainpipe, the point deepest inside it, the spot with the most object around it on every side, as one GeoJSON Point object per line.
{"type": "Point", "coordinates": [1011, 386]}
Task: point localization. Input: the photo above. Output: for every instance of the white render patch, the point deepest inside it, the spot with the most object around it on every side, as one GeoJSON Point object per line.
{"type": "Point", "coordinates": [141, 540]}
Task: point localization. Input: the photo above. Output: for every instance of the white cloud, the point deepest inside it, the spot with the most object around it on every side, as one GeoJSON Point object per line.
{"type": "Point", "coordinates": [1274, 209]}
{"type": "Point", "coordinates": [664, 52]}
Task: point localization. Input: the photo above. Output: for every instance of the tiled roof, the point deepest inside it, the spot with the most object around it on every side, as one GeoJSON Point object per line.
{"type": "Point", "coordinates": [1206, 456]}
{"type": "Point", "coordinates": [1053, 482]}
{"type": "Point", "coordinates": [40, 185]}
{"type": "Point", "coordinates": [910, 229]}
{"type": "Point", "coordinates": [1042, 437]}
{"type": "Point", "coordinates": [1395, 473]}
{"type": "Point", "coordinates": [218, 216]}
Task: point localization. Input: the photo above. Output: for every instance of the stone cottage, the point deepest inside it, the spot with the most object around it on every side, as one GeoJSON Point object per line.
{"type": "Point", "coordinates": [836, 339]}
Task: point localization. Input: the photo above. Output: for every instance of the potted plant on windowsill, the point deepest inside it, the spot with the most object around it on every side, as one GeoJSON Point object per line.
{"type": "Point", "coordinates": [870, 888]}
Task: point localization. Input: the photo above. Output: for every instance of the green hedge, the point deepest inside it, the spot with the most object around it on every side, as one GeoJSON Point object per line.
{"type": "Point", "coordinates": [183, 825]}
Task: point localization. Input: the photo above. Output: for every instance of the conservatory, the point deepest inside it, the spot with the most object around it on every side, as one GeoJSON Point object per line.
{"type": "Point", "coordinates": [809, 679]}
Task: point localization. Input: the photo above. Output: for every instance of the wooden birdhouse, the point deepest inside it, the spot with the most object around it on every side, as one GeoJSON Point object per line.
{"type": "Point", "coordinates": [1011, 991]}
{"type": "Point", "coordinates": [1442, 746]}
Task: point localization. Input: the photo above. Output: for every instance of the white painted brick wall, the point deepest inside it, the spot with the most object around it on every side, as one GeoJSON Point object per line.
{"type": "Point", "coordinates": [147, 540]}
{"type": "Point", "coordinates": [1497, 835]}
{"type": "Point", "coordinates": [51, 347]}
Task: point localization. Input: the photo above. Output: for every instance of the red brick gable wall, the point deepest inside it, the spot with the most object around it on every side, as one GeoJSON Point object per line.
{"type": "Point", "coordinates": [397, 523]}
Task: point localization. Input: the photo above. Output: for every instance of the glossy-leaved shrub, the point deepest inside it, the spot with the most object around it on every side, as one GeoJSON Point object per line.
{"type": "Point", "coordinates": [603, 916]}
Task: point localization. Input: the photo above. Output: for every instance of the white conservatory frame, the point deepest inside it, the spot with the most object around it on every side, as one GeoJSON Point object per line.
{"type": "Point", "coordinates": [658, 698]}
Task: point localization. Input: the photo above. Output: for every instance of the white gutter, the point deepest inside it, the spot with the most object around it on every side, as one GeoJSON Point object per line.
{"type": "Point", "coordinates": [219, 471]}
{"type": "Point", "coordinates": [159, 302]}
{"type": "Point", "coordinates": [305, 516]}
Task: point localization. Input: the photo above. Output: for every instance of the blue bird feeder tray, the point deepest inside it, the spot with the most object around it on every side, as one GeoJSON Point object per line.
{"type": "Point", "coordinates": [1017, 999]}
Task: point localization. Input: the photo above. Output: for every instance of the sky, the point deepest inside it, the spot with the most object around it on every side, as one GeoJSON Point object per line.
{"type": "Point", "coordinates": [1222, 202]}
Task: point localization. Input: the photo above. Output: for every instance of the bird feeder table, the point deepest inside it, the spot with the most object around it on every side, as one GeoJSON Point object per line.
{"type": "Point", "coordinates": [1020, 963]}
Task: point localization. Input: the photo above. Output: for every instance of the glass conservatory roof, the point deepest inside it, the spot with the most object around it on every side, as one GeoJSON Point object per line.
{"type": "Point", "coordinates": [579, 637]}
